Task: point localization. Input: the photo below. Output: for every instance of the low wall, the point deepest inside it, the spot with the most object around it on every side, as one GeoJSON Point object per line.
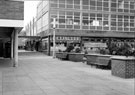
{"type": "Point", "coordinates": [123, 67]}
{"type": "Point", "coordinates": [76, 57]}
{"type": "Point", "coordinates": [98, 59]}
{"type": "Point", "coordinates": [62, 55]}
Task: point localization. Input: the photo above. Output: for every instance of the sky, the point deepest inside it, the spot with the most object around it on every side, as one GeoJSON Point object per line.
{"type": "Point", "coordinates": [30, 9]}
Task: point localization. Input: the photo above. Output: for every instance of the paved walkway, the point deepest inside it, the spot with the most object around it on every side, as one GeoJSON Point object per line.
{"type": "Point", "coordinates": [43, 75]}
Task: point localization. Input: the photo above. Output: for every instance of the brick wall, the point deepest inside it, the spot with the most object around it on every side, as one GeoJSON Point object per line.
{"type": "Point", "coordinates": [123, 68]}
{"type": "Point", "coordinates": [11, 10]}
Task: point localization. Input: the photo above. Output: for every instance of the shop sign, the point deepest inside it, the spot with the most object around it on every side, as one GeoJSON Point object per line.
{"type": "Point", "coordinates": [68, 38]}
{"type": "Point", "coordinates": [103, 45]}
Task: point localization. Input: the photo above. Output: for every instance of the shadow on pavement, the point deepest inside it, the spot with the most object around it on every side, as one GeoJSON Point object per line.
{"type": "Point", "coordinates": [5, 63]}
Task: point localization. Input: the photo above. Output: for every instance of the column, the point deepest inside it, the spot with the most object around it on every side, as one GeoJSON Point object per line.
{"type": "Point", "coordinates": [15, 48]}
{"type": "Point", "coordinates": [48, 46]}
{"type": "Point", "coordinates": [12, 45]}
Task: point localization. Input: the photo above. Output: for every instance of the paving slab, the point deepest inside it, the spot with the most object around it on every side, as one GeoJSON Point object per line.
{"type": "Point", "coordinates": [42, 75]}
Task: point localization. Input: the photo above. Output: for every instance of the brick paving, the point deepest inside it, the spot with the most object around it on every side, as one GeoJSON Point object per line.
{"type": "Point", "coordinates": [43, 75]}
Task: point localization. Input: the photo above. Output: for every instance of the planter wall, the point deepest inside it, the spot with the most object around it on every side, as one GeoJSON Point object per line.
{"type": "Point", "coordinates": [62, 55]}
{"type": "Point", "coordinates": [76, 57]}
{"type": "Point", "coordinates": [92, 59]}
{"type": "Point", "coordinates": [99, 60]}
{"type": "Point", "coordinates": [123, 67]}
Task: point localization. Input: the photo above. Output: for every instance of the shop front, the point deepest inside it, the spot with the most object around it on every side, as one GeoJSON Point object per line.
{"type": "Point", "coordinates": [62, 42]}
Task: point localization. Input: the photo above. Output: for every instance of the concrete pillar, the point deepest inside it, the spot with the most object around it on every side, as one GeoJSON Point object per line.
{"type": "Point", "coordinates": [12, 45]}
{"type": "Point", "coordinates": [15, 48]}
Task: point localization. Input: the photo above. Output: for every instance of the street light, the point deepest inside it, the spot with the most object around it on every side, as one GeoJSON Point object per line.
{"type": "Point", "coordinates": [54, 27]}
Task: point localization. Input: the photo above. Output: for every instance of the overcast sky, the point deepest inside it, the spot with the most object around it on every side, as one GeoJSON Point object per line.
{"type": "Point", "coordinates": [30, 10]}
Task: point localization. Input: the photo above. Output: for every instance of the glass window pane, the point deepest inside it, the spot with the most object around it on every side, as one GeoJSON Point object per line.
{"type": "Point", "coordinates": [131, 6]}
{"type": "Point", "coordinates": [99, 3]}
{"type": "Point", "coordinates": [62, 1]}
{"type": "Point", "coordinates": [69, 1]}
{"type": "Point", "coordinates": [61, 13]}
{"type": "Point", "coordinates": [120, 24]}
{"type": "Point", "coordinates": [54, 1]}
{"type": "Point", "coordinates": [85, 2]}
{"type": "Point", "coordinates": [99, 15]}
{"type": "Point", "coordinates": [92, 3]}
{"type": "Point", "coordinates": [61, 5]}
{"type": "Point", "coordinates": [61, 21]}
{"type": "Point", "coordinates": [106, 23]}
{"type": "Point", "coordinates": [114, 5]}
{"type": "Point", "coordinates": [69, 13]}
{"type": "Point", "coordinates": [92, 15]}
{"type": "Point", "coordinates": [105, 16]}
{"type": "Point", "coordinates": [76, 13]}
{"type": "Point", "coordinates": [113, 23]}
{"type": "Point", "coordinates": [54, 5]}
{"type": "Point", "coordinates": [70, 6]}
{"type": "Point", "coordinates": [76, 22]}
{"type": "Point", "coordinates": [54, 12]}
{"type": "Point", "coordinates": [126, 5]}
{"type": "Point", "coordinates": [106, 4]}
{"type": "Point", "coordinates": [77, 2]}
{"type": "Point", "coordinates": [85, 14]}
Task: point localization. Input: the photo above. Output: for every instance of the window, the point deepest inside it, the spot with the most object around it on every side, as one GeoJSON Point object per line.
{"type": "Point", "coordinates": [99, 3]}
{"type": "Point", "coordinates": [114, 5]}
{"type": "Point", "coordinates": [62, 13]}
{"type": "Point", "coordinates": [120, 4]}
{"type": "Point", "coordinates": [92, 3]}
{"type": "Point", "coordinates": [69, 2]}
{"type": "Point", "coordinates": [85, 2]}
{"type": "Point", "coordinates": [54, 1]}
{"type": "Point", "coordinates": [61, 21]}
{"type": "Point", "coordinates": [126, 5]}
{"type": "Point", "coordinates": [77, 2]}
{"type": "Point", "coordinates": [62, 1]}
{"type": "Point", "coordinates": [106, 23]}
{"type": "Point", "coordinates": [69, 20]}
{"type": "Point", "coordinates": [105, 4]}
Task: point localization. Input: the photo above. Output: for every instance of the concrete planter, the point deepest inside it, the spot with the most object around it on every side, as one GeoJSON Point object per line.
{"type": "Point", "coordinates": [123, 67]}
{"type": "Point", "coordinates": [92, 59]}
{"type": "Point", "coordinates": [62, 55]}
{"type": "Point", "coordinates": [99, 60]}
{"type": "Point", "coordinates": [76, 57]}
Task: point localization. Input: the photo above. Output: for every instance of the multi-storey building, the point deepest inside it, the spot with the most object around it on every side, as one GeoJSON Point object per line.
{"type": "Point", "coordinates": [85, 21]}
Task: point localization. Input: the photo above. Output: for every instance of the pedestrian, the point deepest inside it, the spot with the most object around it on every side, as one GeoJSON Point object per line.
{"type": "Point", "coordinates": [85, 53]}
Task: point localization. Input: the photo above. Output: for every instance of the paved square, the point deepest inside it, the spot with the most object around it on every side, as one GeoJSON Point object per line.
{"type": "Point", "coordinates": [43, 75]}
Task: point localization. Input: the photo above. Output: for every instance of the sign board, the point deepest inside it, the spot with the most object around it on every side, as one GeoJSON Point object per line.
{"type": "Point", "coordinates": [90, 44]}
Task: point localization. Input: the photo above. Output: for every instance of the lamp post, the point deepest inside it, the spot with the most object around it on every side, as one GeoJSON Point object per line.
{"type": "Point", "coordinates": [54, 27]}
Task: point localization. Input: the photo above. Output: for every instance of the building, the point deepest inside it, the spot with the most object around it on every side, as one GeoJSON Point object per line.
{"type": "Point", "coordinates": [86, 21]}
{"type": "Point", "coordinates": [11, 23]}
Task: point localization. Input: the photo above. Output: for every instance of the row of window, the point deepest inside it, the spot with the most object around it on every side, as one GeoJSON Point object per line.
{"type": "Point", "coordinates": [86, 3]}
{"type": "Point", "coordinates": [76, 20]}
{"type": "Point", "coordinates": [103, 28]}
{"type": "Point", "coordinates": [91, 16]}
{"type": "Point", "coordinates": [98, 8]}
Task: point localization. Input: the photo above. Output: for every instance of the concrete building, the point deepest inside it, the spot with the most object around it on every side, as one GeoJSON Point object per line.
{"type": "Point", "coordinates": [86, 21]}
{"type": "Point", "coordinates": [11, 23]}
